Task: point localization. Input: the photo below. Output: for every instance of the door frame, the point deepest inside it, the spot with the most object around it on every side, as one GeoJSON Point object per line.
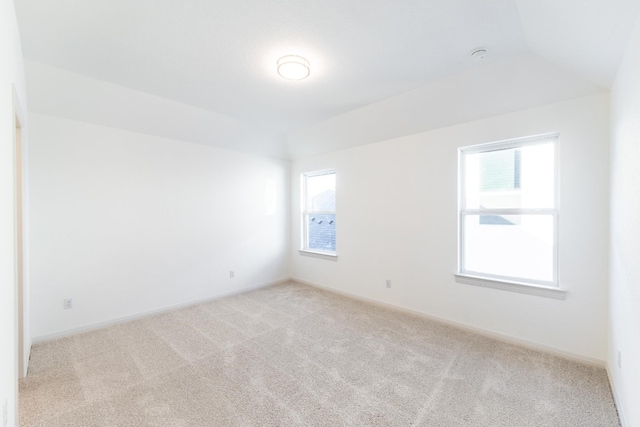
{"type": "Point", "coordinates": [22, 342]}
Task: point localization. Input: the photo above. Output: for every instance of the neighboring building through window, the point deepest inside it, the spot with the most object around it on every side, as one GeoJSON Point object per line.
{"type": "Point", "coordinates": [319, 212]}
{"type": "Point", "coordinates": [508, 217]}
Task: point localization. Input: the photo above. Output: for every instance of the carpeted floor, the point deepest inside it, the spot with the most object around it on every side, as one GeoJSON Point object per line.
{"type": "Point", "coordinates": [291, 355]}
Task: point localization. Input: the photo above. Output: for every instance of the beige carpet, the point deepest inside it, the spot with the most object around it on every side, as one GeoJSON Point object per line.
{"type": "Point", "coordinates": [291, 355]}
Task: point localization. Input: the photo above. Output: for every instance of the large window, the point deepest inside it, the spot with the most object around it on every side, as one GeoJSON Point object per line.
{"type": "Point", "coordinates": [319, 212]}
{"type": "Point", "coordinates": [508, 218]}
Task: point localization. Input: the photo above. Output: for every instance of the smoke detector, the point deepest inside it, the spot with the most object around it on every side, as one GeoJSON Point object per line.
{"type": "Point", "coordinates": [479, 53]}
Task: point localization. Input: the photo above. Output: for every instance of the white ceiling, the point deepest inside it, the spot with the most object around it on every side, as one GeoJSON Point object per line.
{"type": "Point", "coordinates": [220, 56]}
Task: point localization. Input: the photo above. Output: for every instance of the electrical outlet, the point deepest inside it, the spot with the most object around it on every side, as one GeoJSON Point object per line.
{"type": "Point", "coordinates": [388, 283]}
{"type": "Point", "coordinates": [68, 303]}
{"type": "Point", "coordinates": [232, 274]}
{"type": "Point", "coordinates": [5, 413]}
{"type": "Point", "coordinates": [619, 359]}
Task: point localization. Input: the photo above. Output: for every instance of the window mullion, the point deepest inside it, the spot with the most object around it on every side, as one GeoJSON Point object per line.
{"type": "Point", "coordinates": [319, 212]}
{"type": "Point", "coordinates": [508, 211]}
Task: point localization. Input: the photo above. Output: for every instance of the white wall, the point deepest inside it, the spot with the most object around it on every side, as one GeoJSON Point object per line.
{"type": "Point", "coordinates": [484, 90]}
{"type": "Point", "coordinates": [397, 220]}
{"type": "Point", "coordinates": [11, 75]}
{"type": "Point", "coordinates": [61, 93]}
{"type": "Point", "coordinates": [126, 223]}
{"type": "Point", "coordinates": [625, 233]}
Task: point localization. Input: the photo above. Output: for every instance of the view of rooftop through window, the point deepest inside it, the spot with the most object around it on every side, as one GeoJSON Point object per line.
{"type": "Point", "coordinates": [319, 211]}
{"type": "Point", "coordinates": [508, 211]}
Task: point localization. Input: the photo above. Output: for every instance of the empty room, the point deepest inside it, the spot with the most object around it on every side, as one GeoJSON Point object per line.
{"type": "Point", "coordinates": [320, 213]}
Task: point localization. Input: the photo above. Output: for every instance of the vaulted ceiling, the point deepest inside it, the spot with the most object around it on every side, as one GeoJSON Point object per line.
{"type": "Point", "coordinates": [218, 58]}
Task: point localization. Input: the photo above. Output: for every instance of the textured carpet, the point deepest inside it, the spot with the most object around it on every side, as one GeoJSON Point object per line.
{"type": "Point", "coordinates": [291, 355]}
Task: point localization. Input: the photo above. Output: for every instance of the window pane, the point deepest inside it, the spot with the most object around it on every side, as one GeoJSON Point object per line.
{"type": "Point", "coordinates": [511, 178]}
{"type": "Point", "coordinates": [321, 192]}
{"type": "Point", "coordinates": [517, 246]}
{"type": "Point", "coordinates": [500, 170]}
{"type": "Point", "coordinates": [321, 232]}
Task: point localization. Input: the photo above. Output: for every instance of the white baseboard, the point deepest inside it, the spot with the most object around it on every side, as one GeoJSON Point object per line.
{"type": "Point", "coordinates": [123, 319]}
{"type": "Point", "coordinates": [460, 325]}
{"type": "Point", "coordinates": [480, 331]}
{"type": "Point", "coordinates": [485, 332]}
{"type": "Point", "coordinates": [621, 417]}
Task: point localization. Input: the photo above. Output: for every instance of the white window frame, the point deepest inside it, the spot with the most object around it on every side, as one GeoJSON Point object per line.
{"type": "Point", "coordinates": [304, 247]}
{"type": "Point", "coordinates": [518, 284]}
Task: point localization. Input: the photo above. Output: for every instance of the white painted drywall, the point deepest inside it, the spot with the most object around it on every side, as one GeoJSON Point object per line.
{"type": "Point", "coordinates": [625, 234]}
{"type": "Point", "coordinates": [397, 220]}
{"type": "Point", "coordinates": [485, 90]}
{"type": "Point", "coordinates": [11, 76]}
{"type": "Point", "coordinates": [587, 39]}
{"type": "Point", "coordinates": [61, 93]}
{"type": "Point", "coordinates": [126, 223]}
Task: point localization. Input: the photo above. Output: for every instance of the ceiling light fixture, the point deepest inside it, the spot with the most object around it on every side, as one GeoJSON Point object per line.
{"type": "Point", "coordinates": [293, 67]}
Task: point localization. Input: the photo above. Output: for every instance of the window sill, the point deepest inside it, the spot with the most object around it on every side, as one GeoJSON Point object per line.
{"type": "Point", "coordinates": [331, 256]}
{"type": "Point", "coordinates": [523, 288]}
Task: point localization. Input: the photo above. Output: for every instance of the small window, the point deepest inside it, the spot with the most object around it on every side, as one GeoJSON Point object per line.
{"type": "Point", "coordinates": [319, 212]}
{"type": "Point", "coordinates": [508, 217]}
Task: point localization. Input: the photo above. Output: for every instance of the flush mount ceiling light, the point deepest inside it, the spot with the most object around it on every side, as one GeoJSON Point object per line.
{"type": "Point", "coordinates": [293, 67]}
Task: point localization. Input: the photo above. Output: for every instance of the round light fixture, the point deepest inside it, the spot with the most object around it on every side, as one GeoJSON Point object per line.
{"type": "Point", "coordinates": [293, 67]}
